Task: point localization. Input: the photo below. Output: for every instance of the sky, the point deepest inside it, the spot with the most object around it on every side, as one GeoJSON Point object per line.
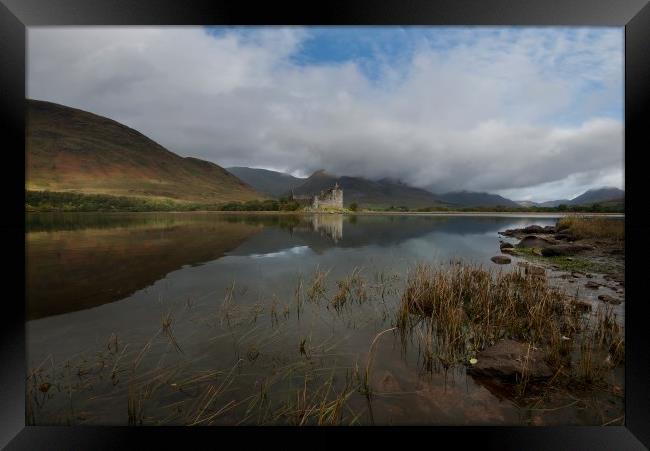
{"type": "Point", "coordinates": [528, 113]}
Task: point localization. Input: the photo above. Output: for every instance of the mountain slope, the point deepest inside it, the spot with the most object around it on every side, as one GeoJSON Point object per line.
{"type": "Point", "coordinates": [476, 199]}
{"type": "Point", "coordinates": [273, 183]}
{"type": "Point", "coordinates": [599, 195]}
{"type": "Point", "coordinates": [382, 193]}
{"type": "Point", "coordinates": [611, 196]}
{"type": "Point", "coordinates": [73, 150]}
{"type": "Point", "coordinates": [555, 203]}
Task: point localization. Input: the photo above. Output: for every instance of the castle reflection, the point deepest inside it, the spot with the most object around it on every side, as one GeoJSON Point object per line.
{"type": "Point", "coordinates": [328, 225]}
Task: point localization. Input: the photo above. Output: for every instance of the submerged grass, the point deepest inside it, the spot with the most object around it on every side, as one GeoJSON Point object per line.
{"type": "Point", "coordinates": [458, 310]}
{"type": "Point", "coordinates": [350, 289]}
{"type": "Point", "coordinates": [451, 311]}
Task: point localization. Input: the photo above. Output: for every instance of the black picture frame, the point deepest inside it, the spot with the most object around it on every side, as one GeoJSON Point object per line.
{"type": "Point", "coordinates": [16, 15]}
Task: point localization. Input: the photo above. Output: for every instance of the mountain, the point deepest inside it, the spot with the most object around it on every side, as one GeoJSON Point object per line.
{"type": "Point", "coordinates": [368, 193]}
{"type": "Point", "coordinates": [554, 203]}
{"type": "Point", "coordinates": [606, 195]}
{"type": "Point", "coordinates": [273, 183]}
{"type": "Point", "coordinates": [73, 150]}
{"type": "Point", "coordinates": [476, 199]}
{"type": "Point", "coordinates": [599, 195]}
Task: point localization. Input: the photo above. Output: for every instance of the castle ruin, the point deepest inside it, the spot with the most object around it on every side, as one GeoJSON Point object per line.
{"type": "Point", "coordinates": [331, 198]}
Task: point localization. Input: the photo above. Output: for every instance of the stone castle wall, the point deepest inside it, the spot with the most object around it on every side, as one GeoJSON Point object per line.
{"type": "Point", "coordinates": [332, 198]}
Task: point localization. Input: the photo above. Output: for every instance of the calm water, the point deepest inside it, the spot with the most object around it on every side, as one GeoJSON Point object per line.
{"type": "Point", "coordinates": [229, 282]}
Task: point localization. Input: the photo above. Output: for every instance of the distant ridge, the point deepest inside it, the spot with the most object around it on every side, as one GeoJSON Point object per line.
{"type": "Point", "coordinates": [68, 149]}
{"type": "Point", "coordinates": [476, 199]}
{"type": "Point", "coordinates": [381, 193]}
{"type": "Point", "coordinates": [273, 183]}
{"type": "Point", "coordinates": [605, 195]}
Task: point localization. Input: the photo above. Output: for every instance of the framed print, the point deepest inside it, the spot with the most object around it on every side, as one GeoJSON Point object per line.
{"type": "Point", "coordinates": [393, 218]}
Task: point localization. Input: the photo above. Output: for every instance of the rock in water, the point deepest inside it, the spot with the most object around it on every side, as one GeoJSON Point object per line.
{"type": "Point", "coordinates": [503, 246]}
{"type": "Point", "coordinates": [501, 259]}
{"type": "Point", "coordinates": [564, 249]}
{"type": "Point", "coordinates": [507, 360]}
{"type": "Point", "coordinates": [535, 241]}
{"type": "Point", "coordinates": [609, 299]}
{"type": "Point", "coordinates": [593, 285]}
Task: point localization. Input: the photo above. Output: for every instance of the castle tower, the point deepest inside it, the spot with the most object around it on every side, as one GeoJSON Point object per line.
{"type": "Point", "coordinates": [332, 198]}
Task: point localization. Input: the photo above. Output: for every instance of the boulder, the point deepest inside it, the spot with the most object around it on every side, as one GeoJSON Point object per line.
{"type": "Point", "coordinates": [507, 360]}
{"type": "Point", "coordinates": [532, 229]}
{"type": "Point", "coordinates": [565, 236]}
{"type": "Point", "coordinates": [564, 249]}
{"type": "Point", "coordinates": [504, 245]}
{"type": "Point", "coordinates": [609, 299]}
{"type": "Point", "coordinates": [501, 259]}
{"type": "Point", "coordinates": [593, 285]}
{"type": "Point", "coordinates": [538, 229]}
{"type": "Point", "coordinates": [535, 241]}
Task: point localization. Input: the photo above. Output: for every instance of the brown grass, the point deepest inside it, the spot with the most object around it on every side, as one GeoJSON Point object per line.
{"type": "Point", "coordinates": [600, 228]}
{"type": "Point", "coordinates": [464, 309]}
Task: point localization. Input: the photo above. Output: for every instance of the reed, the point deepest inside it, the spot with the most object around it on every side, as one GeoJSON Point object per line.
{"type": "Point", "coordinates": [589, 227]}
{"type": "Point", "coordinates": [317, 288]}
{"type": "Point", "coordinates": [350, 289]}
{"type": "Point", "coordinates": [459, 310]}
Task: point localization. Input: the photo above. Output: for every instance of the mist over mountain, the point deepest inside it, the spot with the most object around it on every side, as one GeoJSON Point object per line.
{"type": "Point", "coordinates": [609, 195]}
{"type": "Point", "coordinates": [381, 193]}
{"type": "Point", "coordinates": [605, 194]}
{"type": "Point", "coordinates": [388, 192]}
{"type": "Point", "coordinates": [476, 199]}
{"type": "Point", "coordinates": [273, 183]}
{"type": "Point", "coordinates": [74, 150]}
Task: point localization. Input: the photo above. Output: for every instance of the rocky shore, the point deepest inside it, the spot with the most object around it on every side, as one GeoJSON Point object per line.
{"type": "Point", "coordinates": [592, 267]}
{"type": "Point", "coordinates": [590, 270]}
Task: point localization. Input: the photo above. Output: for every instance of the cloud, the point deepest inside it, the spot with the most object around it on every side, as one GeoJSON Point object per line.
{"type": "Point", "coordinates": [503, 110]}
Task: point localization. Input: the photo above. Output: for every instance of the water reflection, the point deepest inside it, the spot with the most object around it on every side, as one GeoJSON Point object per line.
{"type": "Point", "coordinates": [296, 250]}
{"type": "Point", "coordinates": [79, 261]}
{"type": "Point", "coordinates": [74, 269]}
{"type": "Point", "coordinates": [240, 291]}
{"type": "Point", "coordinates": [329, 225]}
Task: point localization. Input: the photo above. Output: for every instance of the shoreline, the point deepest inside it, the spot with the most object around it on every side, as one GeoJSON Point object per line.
{"type": "Point", "coordinates": [363, 213]}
